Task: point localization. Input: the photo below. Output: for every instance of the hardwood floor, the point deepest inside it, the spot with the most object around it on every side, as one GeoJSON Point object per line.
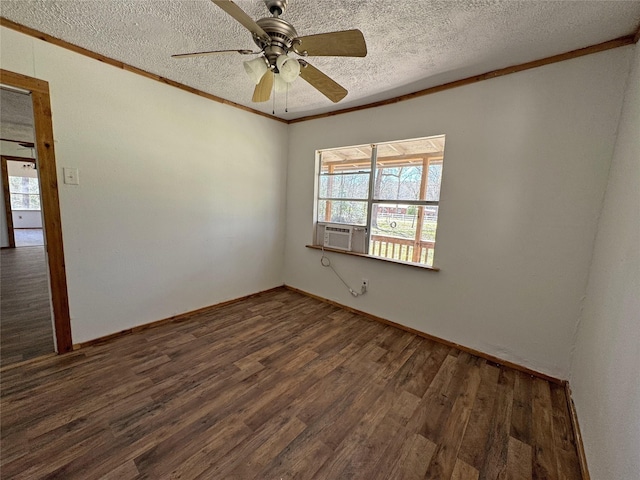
{"type": "Point", "coordinates": [280, 386]}
{"type": "Point", "coordinates": [25, 308]}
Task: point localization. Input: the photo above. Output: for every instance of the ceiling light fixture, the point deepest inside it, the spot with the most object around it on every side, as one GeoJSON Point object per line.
{"type": "Point", "coordinates": [256, 68]}
{"type": "Point", "coordinates": [288, 67]}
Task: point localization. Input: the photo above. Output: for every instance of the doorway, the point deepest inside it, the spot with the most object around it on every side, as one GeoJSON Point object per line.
{"type": "Point", "coordinates": [42, 266]}
{"type": "Point", "coordinates": [22, 199]}
{"type": "Point", "coordinates": [26, 329]}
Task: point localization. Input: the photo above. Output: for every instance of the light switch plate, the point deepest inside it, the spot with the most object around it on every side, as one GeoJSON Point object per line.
{"type": "Point", "coordinates": [71, 176]}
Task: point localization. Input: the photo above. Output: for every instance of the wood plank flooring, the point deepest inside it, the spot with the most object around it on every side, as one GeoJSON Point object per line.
{"type": "Point", "coordinates": [280, 386]}
{"type": "Point", "coordinates": [25, 309]}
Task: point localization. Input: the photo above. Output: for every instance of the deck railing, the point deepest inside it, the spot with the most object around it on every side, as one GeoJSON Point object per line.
{"type": "Point", "coordinates": [403, 249]}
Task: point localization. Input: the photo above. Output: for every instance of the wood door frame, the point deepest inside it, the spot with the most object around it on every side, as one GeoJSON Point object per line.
{"type": "Point", "coordinates": [50, 202]}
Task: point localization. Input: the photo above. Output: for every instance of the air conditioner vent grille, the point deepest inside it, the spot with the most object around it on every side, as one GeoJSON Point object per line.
{"type": "Point", "coordinates": [338, 237]}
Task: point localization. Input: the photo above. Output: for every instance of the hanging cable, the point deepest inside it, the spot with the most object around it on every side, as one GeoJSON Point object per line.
{"type": "Point", "coordinates": [273, 109]}
{"type": "Point", "coordinates": [326, 262]}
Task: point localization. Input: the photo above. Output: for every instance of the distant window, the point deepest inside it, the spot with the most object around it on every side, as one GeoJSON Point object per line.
{"type": "Point", "coordinates": [25, 193]}
{"type": "Point", "coordinates": [392, 189]}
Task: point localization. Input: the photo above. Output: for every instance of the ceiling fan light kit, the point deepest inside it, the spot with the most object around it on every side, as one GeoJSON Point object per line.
{"type": "Point", "coordinates": [277, 39]}
{"type": "Point", "coordinates": [255, 69]}
{"type": "Point", "coordinates": [288, 68]}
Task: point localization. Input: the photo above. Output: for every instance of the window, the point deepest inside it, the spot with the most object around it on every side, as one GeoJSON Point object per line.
{"type": "Point", "coordinates": [392, 189]}
{"type": "Point", "coordinates": [25, 194]}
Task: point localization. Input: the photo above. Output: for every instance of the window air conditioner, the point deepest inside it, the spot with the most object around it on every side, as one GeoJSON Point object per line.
{"type": "Point", "coordinates": [338, 236]}
{"type": "Point", "coordinates": [337, 232]}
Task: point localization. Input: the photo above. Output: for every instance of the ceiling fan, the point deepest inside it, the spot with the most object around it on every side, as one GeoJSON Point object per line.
{"type": "Point", "coordinates": [275, 67]}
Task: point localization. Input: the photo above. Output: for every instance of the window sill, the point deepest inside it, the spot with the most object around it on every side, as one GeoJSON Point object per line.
{"type": "Point", "coordinates": [364, 255]}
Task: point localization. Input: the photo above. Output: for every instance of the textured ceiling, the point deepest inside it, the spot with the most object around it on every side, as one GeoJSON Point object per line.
{"type": "Point", "coordinates": [412, 44]}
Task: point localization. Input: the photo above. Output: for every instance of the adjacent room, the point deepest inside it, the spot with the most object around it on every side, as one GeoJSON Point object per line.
{"type": "Point", "coordinates": [320, 240]}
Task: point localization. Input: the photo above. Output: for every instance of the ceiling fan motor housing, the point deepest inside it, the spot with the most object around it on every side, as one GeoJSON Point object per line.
{"type": "Point", "coordinates": [276, 7]}
{"type": "Point", "coordinates": [282, 35]}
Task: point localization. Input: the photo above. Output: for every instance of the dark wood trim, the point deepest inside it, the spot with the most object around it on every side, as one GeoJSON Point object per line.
{"type": "Point", "coordinates": [7, 203]}
{"type": "Point", "coordinates": [129, 68]}
{"type": "Point", "coordinates": [477, 353]}
{"type": "Point", "coordinates": [636, 37]}
{"type": "Point", "coordinates": [372, 257]}
{"type": "Point", "coordinates": [582, 456]}
{"type": "Point", "coordinates": [23, 82]}
{"type": "Point", "coordinates": [19, 159]}
{"type": "Point", "coordinates": [46, 162]}
{"type": "Point", "coordinates": [175, 319]}
{"type": "Point", "coordinates": [600, 47]}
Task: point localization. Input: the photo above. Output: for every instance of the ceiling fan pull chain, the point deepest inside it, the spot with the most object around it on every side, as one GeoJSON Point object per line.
{"type": "Point", "coordinates": [273, 109]}
{"type": "Point", "coordinates": [286, 99]}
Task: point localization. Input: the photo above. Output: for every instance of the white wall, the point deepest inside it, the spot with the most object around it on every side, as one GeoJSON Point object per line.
{"type": "Point", "coordinates": [525, 169]}
{"type": "Point", "coordinates": [181, 200]}
{"type": "Point", "coordinates": [15, 169]}
{"type": "Point", "coordinates": [26, 218]}
{"type": "Point", "coordinates": [604, 377]}
{"type": "Point", "coordinates": [15, 150]}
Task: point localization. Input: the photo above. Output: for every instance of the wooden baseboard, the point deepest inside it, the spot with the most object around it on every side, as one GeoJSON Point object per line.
{"type": "Point", "coordinates": [175, 319]}
{"type": "Point", "coordinates": [442, 341]}
{"type": "Point", "coordinates": [582, 456]}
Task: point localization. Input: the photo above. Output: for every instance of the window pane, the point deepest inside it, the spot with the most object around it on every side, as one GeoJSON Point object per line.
{"type": "Point", "coordinates": [17, 185]}
{"type": "Point", "coordinates": [33, 186]}
{"type": "Point", "coordinates": [394, 231]}
{"type": "Point", "coordinates": [349, 159]}
{"type": "Point", "coordinates": [429, 224]}
{"type": "Point", "coordinates": [23, 185]}
{"type": "Point", "coordinates": [409, 170]}
{"type": "Point", "coordinates": [34, 202]}
{"type": "Point", "coordinates": [433, 181]}
{"type": "Point", "coordinates": [338, 211]}
{"type": "Point", "coordinates": [398, 183]}
{"type": "Point", "coordinates": [345, 186]}
{"type": "Point", "coordinates": [21, 201]}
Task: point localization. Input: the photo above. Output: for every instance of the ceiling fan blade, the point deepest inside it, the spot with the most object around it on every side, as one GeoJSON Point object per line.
{"type": "Point", "coordinates": [262, 93]}
{"type": "Point", "coordinates": [346, 43]}
{"type": "Point", "coordinates": [212, 52]}
{"type": "Point", "coordinates": [245, 20]}
{"type": "Point", "coordinates": [318, 80]}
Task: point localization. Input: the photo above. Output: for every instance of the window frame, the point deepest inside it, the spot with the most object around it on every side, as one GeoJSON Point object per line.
{"type": "Point", "coordinates": [371, 200]}
{"type": "Point", "coordinates": [25, 194]}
